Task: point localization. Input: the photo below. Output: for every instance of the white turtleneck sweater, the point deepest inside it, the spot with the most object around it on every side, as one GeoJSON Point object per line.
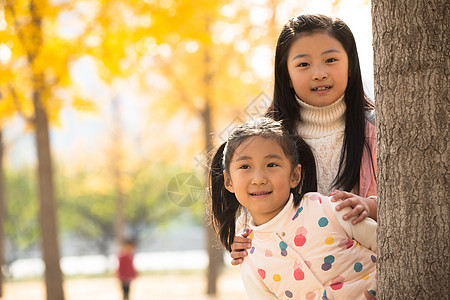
{"type": "Point", "coordinates": [323, 129]}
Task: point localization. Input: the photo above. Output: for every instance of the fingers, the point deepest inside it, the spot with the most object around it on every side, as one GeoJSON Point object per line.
{"type": "Point", "coordinates": [360, 218]}
{"type": "Point", "coordinates": [351, 202]}
{"type": "Point", "coordinates": [236, 262]}
{"type": "Point", "coordinates": [359, 211]}
{"type": "Point", "coordinates": [238, 248]}
{"type": "Point", "coordinates": [238, 254]}
{"type": "Point", "coordinates": [238, 257]}
{"type": "Point", "coordinates": [241, 243]}
{"type": "Point", "coordinates": [340, 195]}
{"type": "Point", "coordinates": [356, 211]}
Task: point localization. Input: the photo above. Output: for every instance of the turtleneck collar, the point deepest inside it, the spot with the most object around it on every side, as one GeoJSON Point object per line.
{"type": "Point", "coordinates": [321, 121]}
{"type": "Point", "coordinates": [275, 224]}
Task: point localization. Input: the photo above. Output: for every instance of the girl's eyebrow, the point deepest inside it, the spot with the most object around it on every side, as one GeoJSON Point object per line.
{"type": "Point", "coordinates": [245, 157]}
{"type": "Point", "coordinates": [301, 55]}
{"type": "Point", "coordinates": [331, 51]}
{"type": "Point", "coordinates": [273, 156]}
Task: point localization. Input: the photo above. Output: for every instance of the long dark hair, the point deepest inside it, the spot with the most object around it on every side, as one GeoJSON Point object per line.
{"type": "Point", "coordinates": [223, 205]}
{"type": "Point", "coordinates": [285, 107]}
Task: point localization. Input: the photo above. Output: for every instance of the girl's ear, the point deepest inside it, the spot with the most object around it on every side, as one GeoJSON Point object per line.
{"type": "Point", "coordinates": [227, 182]}
{"type": "Point", "coordinates": [296, 176]}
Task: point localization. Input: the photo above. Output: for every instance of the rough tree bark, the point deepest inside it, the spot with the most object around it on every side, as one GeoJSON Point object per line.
{"type": "Point", "coordinates": [2, 211]}
{"type": "Point", "coordinates": [411, 68]}
{"type": "Point", "coordinates": [117, 169]}
{"type": "Point", "coordinates": [47, 210]}
{"type": "Point", "coordinates": [214, 248]}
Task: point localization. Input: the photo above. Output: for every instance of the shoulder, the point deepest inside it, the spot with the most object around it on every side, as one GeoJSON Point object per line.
{"type": "Point", "coordinates": [314, 200]}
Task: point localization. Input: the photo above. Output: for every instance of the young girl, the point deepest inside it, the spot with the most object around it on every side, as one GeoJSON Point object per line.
{"type": "Point", "coordinates": [302, 249]}
{"type": "Point", "coordinates": [319, 95]}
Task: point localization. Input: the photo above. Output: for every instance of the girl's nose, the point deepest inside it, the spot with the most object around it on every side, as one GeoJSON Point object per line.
{"type": "Point", "coordinates": [320, 74]}
{"type": "Point", "coordinates": [259, 179]}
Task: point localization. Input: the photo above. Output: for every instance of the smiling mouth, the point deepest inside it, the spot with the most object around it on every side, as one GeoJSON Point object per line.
{"type": "Point", "coordinates": [323, 88]}
{"type": "Point", "coordinates": [260, 194]}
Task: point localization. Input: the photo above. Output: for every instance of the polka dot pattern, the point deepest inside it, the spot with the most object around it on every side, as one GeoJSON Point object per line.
{"type": "Point", "coordinates": [283, 247]}
{"type": "Point", "coordinates": [337, 283]}
{"type": "Point", "coordinates": [323, 222]}
{"type": "Point", "coordinates": [329, 259]}
{"type": "Point", "coordinates": [315, 197]}
{"type": "Point", "coordinates": [300, 236]}
{"type": "Point", "coordinates": [299, 274]}
{"type": "Point", "coordinates": [327, 262]}
{"type": "Point", "coordinates": [262, 273]}
{"type": "Point", "coordinates": [312, 232]}
{"type": "Point", "coordinates": [297, 213]}
{"type": "Point", "coordinates": [358, 267]}
{"type": "Point", "coordinates": [346, 243]}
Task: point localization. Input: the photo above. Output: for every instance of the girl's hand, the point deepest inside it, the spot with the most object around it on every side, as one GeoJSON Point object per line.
{"type": "Point", "coordinates": [369, 295]}
{"type": "Point", "coordinates": [238, 248]}
{"type": "Point", "coordinates": [362, 207]}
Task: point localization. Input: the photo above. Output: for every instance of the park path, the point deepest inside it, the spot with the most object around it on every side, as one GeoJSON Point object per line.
{"type": "Point", "coordinates": [171, 286]}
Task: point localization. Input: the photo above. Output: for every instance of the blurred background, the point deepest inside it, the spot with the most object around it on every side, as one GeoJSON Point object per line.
{"type": "Point", "coordinates": [108, 112]}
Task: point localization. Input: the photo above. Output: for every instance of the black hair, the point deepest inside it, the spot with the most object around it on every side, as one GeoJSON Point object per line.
{"type": "Point", "coordinates": [223, 205]}
{"type": "Point", "coordinates": [285, 107]}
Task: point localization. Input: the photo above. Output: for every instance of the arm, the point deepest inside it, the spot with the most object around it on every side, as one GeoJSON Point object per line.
{"type": "Point", "coordinates": [365, 232]}
{"type": "Point", "coordinates": [361, 207]}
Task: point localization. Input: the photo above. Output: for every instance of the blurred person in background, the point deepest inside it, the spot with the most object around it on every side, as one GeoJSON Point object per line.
{"type": "Point", "coordinates": [126, 271]}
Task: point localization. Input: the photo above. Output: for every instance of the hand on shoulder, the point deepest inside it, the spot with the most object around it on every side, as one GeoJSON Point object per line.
{"type": "Point", "coordinates": [361, 207]}
{"type": "Point", "coordinates": [238, 248]}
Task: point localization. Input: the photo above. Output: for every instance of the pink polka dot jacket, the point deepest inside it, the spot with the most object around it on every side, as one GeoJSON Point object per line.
{"type": "Point", "coordinates": [304, 253]}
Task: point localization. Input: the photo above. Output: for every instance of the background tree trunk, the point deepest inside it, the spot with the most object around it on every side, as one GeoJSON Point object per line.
{"type": "Point", "coordinates": [117, 169]}
{"type": "Point", "coordinates": [411, 68]}
{"type": "Point", "coordinates": [2, 210]}
{"type": "Point", "coordinates": [215, 252]}
{"type": "Point", "coordinates": [49, 231]}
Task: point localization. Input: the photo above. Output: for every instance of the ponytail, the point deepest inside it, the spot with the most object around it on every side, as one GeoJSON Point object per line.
{"type": "Point", "coordinates": [223, 205]}
{"type": "Point", "coordinates": [306, 159]}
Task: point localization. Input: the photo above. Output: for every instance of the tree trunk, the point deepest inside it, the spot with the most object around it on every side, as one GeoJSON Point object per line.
{"type": "Point", "coordinates": [48, 220]}
{"type": "Point", "coordinates": [411, 66]}
{"type": "Point", "coordinates": [2, 211]}
{"type": "Point", "coordinates": [117, 160]}
{"type": "Point", "coordinates": [215, 252]}
{"type": "Point", "coordinates": [214, 248]}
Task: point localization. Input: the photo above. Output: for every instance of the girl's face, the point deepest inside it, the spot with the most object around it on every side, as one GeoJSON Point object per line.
{"type": "Point", "coordinates": [318, 68]}
{"type": "Point", "coordinates": [261, 176]}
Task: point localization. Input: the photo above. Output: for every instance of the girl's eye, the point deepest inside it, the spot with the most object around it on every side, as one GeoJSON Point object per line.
{"type": "Point", "coordinates": [271, 165]}
{"type": "Point", "coordinates": [244, 167]}
{"type": "Point", "coordinates": [330, 60]}
{"type": "Point", "coordinates": [303, 64]}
